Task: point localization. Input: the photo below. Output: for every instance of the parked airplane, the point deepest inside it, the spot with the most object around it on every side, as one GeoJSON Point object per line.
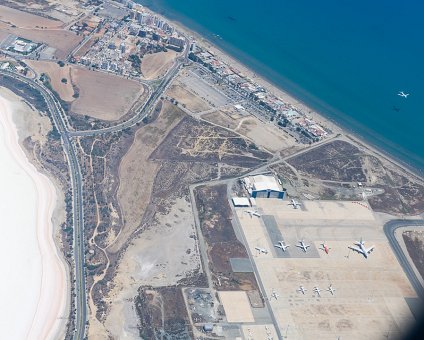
{"type": "Point", "coordinates": [403, 94]}
{"type": "Point", "coordinates": [281, 245]}
{"type": "Point", "coordinates": [325, 247]}
{"type": "Point", "coordinates": [302, 290]}
{"type": "Point", "coordinates": [261, 250]}
{"type": "Point", "coordinates": [331, 289]}
{"type": "Point", "coordinates": [302, 245]}
{"type": "Point", "coordinates": [274, 295]}
{"type": "Point", "coordinates": [295, 204]}
{"type": "Point", "coordinates": [361, 248]}
{"type": "Point", "coordinates": [253, 213]}
{"type": "Point", "coordinates": [317, 291]}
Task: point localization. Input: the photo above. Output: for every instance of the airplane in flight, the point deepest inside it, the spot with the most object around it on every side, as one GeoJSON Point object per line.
{"type": "Point", "coordinates": [317, 291]}
{"type": "Point", "coordinates": [302, 290]}
{"type": "Point", "coordinates": [253, 213]}
{"type": "Point", "coordinates": [361, 248]}
{"type": "Point", "coordinates": [331, 289]}
{"type": "Point", "coordinates": [302, 245]}
{"type": "Point", "coordinates": [325, 247]}
{"type": "Point", "coordinates": [403, 94]}
{"type": "Point", "coordinates": [261, 250]}
{"type": "Point", "coordinates": [294, 203]}
{"type": "Point", "coordinates": [274, 295]}
{"type": "Point", "coordinates": [282, 246]}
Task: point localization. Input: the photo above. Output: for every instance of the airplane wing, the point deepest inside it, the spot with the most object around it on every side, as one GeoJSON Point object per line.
{"type": "Point", "coordinates": [358, 250]}
{"type": "Point", "coordinates": [370, 249]}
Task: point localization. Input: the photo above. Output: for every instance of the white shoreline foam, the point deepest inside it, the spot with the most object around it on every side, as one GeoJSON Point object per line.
{"type": "Point", "coordinates": [33, 286]}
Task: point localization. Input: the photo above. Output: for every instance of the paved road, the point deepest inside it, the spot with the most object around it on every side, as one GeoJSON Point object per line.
{"type": "Point", "coordinates": [147, 107]}
{"type": "Point", "coordinates": [60, 122]}
{"type": "Point", "coordinates": [145, 110]}
{"type": "Point", "coordinates": [389, 229]}
{"type": "Point", "coordinates": [57, 115]}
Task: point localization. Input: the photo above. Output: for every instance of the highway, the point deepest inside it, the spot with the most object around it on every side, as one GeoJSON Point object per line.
{"type": "Point", "coordinates": [57, 115]}
{"type": "Point", "coordinates": [390, 229]}
{"type": "Point", "coordinates": [60, 122]}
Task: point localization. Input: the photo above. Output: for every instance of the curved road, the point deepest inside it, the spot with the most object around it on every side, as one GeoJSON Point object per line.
{"type": "Point", "coordinates": [390, 229]}
{"type": "Point", "coordinates": [57, 115]}
{"type": "Point", "coordinates": [60, 122]}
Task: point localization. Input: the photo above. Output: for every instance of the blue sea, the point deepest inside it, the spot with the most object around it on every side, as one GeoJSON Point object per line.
{"type": "Point", "coordinates": [346, 59]}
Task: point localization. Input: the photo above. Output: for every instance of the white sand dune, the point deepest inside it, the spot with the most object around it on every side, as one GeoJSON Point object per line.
{"type": "Point", "coordinates": [33, 286]}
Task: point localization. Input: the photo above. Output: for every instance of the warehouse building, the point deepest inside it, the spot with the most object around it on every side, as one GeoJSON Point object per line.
{"type": "Point", "coordinates": [262, 186]}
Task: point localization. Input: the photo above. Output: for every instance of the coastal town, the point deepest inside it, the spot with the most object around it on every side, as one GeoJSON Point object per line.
{"type": "Point", "coordinates": [184, 196]}
{"type": "Point", "coordinates": [115, 40]}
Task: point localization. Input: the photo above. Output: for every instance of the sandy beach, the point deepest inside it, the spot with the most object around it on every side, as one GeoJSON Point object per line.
{"type": "Point", "coordinates": [33, 286]}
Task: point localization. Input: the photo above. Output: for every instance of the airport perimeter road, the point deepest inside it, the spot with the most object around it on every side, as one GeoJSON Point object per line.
{"type": "Point", "coordinates": [390, 229]}
{"type": "Point", "coordinates": [57, 115]}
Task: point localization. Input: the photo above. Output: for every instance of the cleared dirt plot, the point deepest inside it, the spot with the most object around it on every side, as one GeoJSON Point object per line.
{"type": "Point", "coordinates": [3, 35]}
{"type": "Point", "coordinates": [87, 45]}
{"type": "Point", "coordinates": [222, 119]}
{"type": "Point", "coordinates": [102, 95]}
{"type": "Point", "coordinates": [221, 241]}
{"type": "Point", "coordinates": [57, 75]}
{"type": "Point", "coordinates": [414, 241]}
{"type": "Point", "coordinates": [336, 161]}
{"type": "Point", "coordinates": [157, 64]}
{"type": "Point", "coordinates": [63, 41]}
{"type": "Point", "coordinates": [236, 306]}
{"type": "Point", "coordinates": [344, 162]}
{"type": "Point", "coordinates": [137, 173]}
{"type": "Point", "coordinates": [191, 102]}
{"type": "Point", "coordinates": [198, 141]}
{"type": "Point", "coordinates": [26, 20]}
{"type": "Point", "coordinates": [266, 136]}
{"type": "Point", "coordinates": [159, 319]}
{"type": "Point", "coordinates": [63, 10]}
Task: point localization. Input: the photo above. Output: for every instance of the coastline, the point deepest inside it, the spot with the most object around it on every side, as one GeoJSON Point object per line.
{"type": "Point", "coordinates": [33, 233]}
{"type": "Point", "coordinates": [320, 117]}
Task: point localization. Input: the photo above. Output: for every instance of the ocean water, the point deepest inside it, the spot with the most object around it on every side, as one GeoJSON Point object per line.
{"type": "Point", "coordinates": [346, 59]}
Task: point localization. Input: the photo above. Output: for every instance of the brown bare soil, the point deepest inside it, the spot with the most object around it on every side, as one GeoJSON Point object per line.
{"type": "Point", "coordinates": [157, 64]}
{"type": "Point", "coordinates": [56, 74]}
{"type": "Point", "coordinates": [137, 173]}
{"type": "Point", "coordinates": [336, 161]}
{"type": "Point", "coordinates": [198, 141]}
{"type": "Point", "coordinates": [222, 244]}
{"type": "Point", "coordinates": [190, 101]}
{"type": "Point", "coordinates": [162, 313]}
{"type": "Point", "coordinates": [62, 40]}
{"type": "Point", "coordinates": [221, 118]}
{"type": "Point", "coordinates": [3, 35]}
{"type": "Point", "coordinates": [103, 96]}
{"type": "Point", "coordinates": [341, 161]}
{"type": "Point", "coordinates": [26, 20]}
{"type": "Point", "coordinates": [86, 47]}
{"type": "Point", "coordinates": [55, 10]}
{"type": "Point", "coordinates": [414, 241]}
